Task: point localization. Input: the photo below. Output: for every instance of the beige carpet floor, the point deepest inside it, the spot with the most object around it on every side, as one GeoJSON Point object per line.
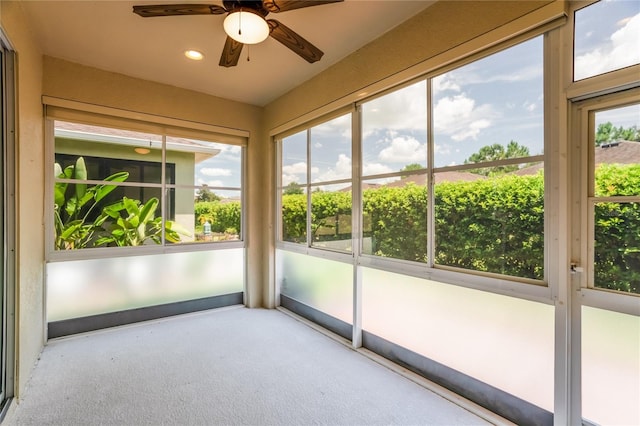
{"type": "Point", "coordinates": [231, 366]}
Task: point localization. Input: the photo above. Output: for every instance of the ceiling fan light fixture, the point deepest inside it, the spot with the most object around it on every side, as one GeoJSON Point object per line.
{"type": "Point", "coordinates": [246, 26]}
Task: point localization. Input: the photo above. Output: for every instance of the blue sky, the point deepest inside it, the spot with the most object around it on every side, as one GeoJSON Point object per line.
{"type": "Point", "coordinates": [607, 37]}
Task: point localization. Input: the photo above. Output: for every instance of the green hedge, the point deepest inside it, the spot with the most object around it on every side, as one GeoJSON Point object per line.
{"type": "Point", "coordinates": [492, 225]}
{"type": "Point", "coordinates": [222, 216]}
{"type": "Point", "coordinates": [617, 229]}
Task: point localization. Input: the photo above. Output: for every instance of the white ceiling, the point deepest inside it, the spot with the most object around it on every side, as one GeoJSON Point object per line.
{"type": "Point", "coordinates": [109, 36]}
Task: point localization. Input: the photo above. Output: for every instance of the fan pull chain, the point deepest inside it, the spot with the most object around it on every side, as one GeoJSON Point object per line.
{"type": "Point", "coordinates": [240, 22]}
{"type": "Point", "coordinates": [248, 52]}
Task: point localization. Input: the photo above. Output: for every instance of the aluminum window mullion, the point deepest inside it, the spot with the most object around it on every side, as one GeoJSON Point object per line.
{"type": "Point", "coordinates": [356, 222]}
{"type": "Point", "coordinates": [309, 241]}
{"type": "Point", "coordinates": [163, 192]}
{"type": "Point", "coordinates": [431, 222]}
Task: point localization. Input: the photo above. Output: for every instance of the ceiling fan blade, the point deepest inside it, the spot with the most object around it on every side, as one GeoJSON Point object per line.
{"type": "Point", "coordinates": [230, 53]}
{"type": "Point", "coordinates": [276, 6]}
{"type": "Point", "coordinates": [149, 11]}
{"type": "Point", "coordinates": [294, 41]}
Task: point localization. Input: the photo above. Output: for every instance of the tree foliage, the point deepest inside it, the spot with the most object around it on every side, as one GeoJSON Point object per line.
{"type": "Point", "coordinates": [607, 133]}
{"type": "Point", "coordinates": [411, 167]}
{"type": "Point", "coordinates": [293, 188]}
{"type": "Point", "coordinates": [205, 194]}
{"type": "Point", "coordinates": [497, 152]}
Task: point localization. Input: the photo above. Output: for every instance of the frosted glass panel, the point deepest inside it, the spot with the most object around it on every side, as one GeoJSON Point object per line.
{"type": "Point", "coordinates": [323, 284]}
{"type": "Point", "coordinates": [499, 340]}
{"type": "Point", "coordinates": [610, 367]}
{"type": "Point", "coordinates": [88, 287]}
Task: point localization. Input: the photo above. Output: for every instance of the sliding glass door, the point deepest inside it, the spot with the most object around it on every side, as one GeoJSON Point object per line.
{"type": "Point", "coordinates": [7, 221]}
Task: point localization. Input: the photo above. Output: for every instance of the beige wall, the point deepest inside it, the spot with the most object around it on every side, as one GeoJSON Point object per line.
{"type": "Point", "coordinates": [29, 198]}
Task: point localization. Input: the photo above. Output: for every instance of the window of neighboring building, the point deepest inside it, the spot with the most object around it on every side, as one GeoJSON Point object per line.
{"type": "Point", "coordinates": [116, 187]}
{"type": "Point", "coordinates": [607, 37]}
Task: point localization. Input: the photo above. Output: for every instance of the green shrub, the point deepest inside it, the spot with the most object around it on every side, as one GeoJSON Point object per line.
{"type": "Point", "coordinates": [222, 216]}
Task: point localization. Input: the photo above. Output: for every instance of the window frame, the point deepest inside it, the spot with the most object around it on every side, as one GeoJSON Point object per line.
{"type": "Point", "coordinates": [308, 247]}
{"type": "Point", "coordinates": [75, 112]}
{"type": "Point", "coordinates": [584, 128]}
{"type": "Point", "coordinates": [603, 91]}
{"type": "Point", "coordinates": [535, 290]}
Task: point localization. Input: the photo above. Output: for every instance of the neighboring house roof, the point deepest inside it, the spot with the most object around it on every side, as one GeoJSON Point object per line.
{"type": "Point", "coordinates": [136, 139]}
{"type": "Point", "coordinates": [621, 152]}
{"type": "Point", "coordinates": [421, 179]}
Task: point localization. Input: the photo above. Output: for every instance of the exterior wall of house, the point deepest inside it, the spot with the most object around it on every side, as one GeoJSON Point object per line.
{"type": "Point", "coordinates": [29, 200]}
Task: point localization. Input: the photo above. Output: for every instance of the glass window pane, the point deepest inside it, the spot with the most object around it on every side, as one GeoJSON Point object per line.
{"type": "Point", "coordinates": [323, 284]}
{"type": "Point", "coordinates": [106, 151]}
{"type": "Point", "coordinates": [106, 216]}
{"type": "Point", "coordinates": [331, 217]}
{"type": "Point", "coordinates": [492, 224]}
{"type": "Point", "coordinates": [294, 215]}
{"type": "Point", "coordinates": [204, 163]}
{"type": "Point", "coordinates": [395, 218]}
{"type": "Point", "coordinates": [81, 288]}
{"type": "Point", "coordinates": [331, 150]}
{"type": "Point", "coordinates": [218, 218]}
{"type": "Point", "coordinates": [607, 37]}
{"type": "Point", "coordinates": [502, 341]}
{"type": "Point", "coordinates": [491, 109]}
{"type": "Point", "coordinates": [394, 131]}
{"type": "Point", "coordinates": [617, 246]}
{"type": "Point", "coordinates": [610, 367]}
{"type": "Point", "coordinates": [617, 152]}
{"type": "Point", "coordinates": [294, 159]}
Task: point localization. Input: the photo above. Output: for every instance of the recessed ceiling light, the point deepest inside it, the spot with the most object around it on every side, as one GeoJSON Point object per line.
{"type": "Point", "coordinates": [194, 54]}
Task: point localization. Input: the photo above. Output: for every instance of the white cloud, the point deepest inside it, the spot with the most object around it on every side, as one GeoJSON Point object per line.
{"type": "Point", "coordinates": [404, 149]}
{"type": "Point", "coordinates": [472, 131]}
{"type": "Point", "coordinates": [295, 169]}
{"type": "Point", "coordinates": [370, 169]}
{"type": "Point", "coordinates": [295, 173]}
{"type": "Point", "coordinates": [342, 169]}
{"type": "Point", "coordinates": [404, 109]}
{"type": "Point", "coordinates": [442, 149]}
{"type": "Point", "coordinates": [444, 82]}
{"type": "Point", "coordinates": [529, 106]}
{"type": "Point", "coordinates": [621, 50]}
{"type": "Point", "coordinates": [458, 117]}
{"type": "Point", "coordinates": [209, 171]}
{"type": "Point", "coordinates": [318, 145]}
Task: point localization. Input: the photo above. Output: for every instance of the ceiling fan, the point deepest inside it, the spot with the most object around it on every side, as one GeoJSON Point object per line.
{"type": "Point", "coordinates": [246, 23]}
